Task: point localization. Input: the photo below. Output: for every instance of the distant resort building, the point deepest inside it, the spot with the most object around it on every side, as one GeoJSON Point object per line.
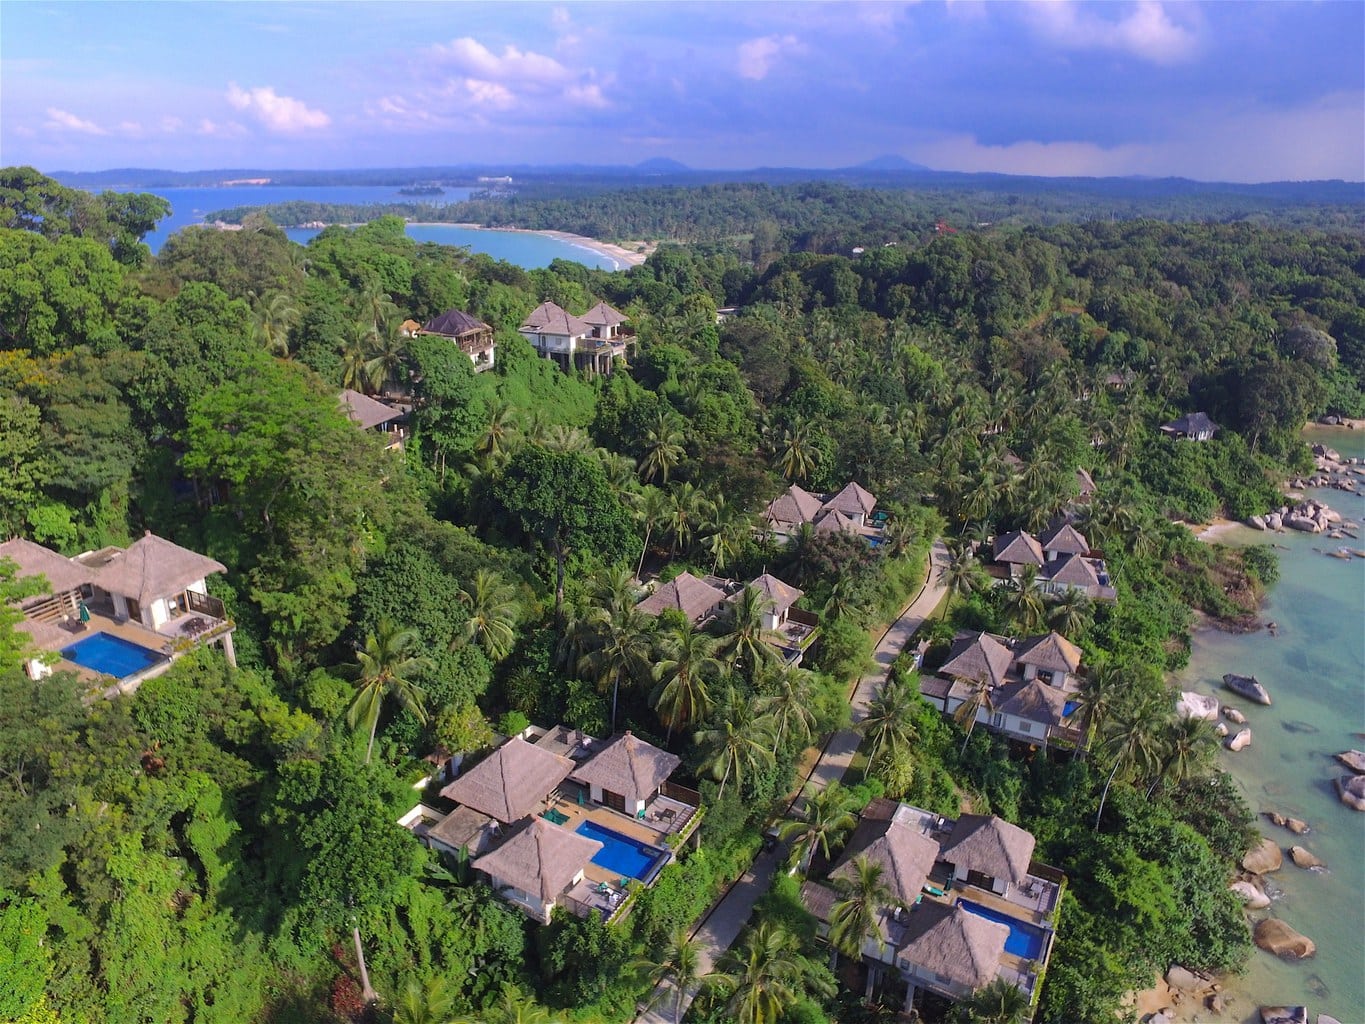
{"type": "Point", "coordinates": [1195, 426]}
{"type": "Point", "coordinates": [118, 616]}
{"type": "Point", "coordinates": [389, 421]}
{"type": "Point", "coordinates": [591, 342]}
{"type": "Point", "coordinates": [473, 337]}
{"type": "Point", "coordinates": [850, 510]}
{"type": "Point", "coordinates": [1062, 558]}
{"type": "Point", "coordinates": [968, 903]}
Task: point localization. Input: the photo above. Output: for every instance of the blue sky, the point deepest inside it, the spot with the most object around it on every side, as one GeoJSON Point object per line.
{"type": "Point", "coordinates": [1227, 91]}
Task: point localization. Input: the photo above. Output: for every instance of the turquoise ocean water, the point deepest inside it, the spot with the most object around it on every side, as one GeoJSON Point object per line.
{"type": "Point", "coordinates": [1315, 672]}
{"type": "Point", "coordinates": [190, 205]}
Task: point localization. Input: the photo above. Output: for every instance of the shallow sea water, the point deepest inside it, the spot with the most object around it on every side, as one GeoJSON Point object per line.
{"type": "Point", "coordinates": [1314, 670]}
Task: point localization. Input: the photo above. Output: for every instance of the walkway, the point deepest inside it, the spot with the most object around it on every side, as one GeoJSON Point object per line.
{"type": "Point", "coordinates": [722, 925]}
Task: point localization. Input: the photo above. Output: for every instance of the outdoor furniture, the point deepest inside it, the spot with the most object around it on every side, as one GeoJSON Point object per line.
{"type": "Point", "coordinates": [554, 817]}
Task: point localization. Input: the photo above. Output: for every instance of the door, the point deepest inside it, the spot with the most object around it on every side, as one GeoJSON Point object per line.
{"type": "Point", "coordinates": [134, 610]}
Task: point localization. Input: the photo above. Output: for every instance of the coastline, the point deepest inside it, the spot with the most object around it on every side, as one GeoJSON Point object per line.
{"type": "Point", "coordinates": [625, 257]}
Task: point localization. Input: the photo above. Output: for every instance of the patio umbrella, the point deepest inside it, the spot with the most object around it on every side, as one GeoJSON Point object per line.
{"type": "Point", "coordinates": [84, 612]}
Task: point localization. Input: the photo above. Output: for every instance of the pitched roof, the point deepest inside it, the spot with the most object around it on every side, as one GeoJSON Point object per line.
{"type": "Point", "coordinates": [461, 828]}
{"type": "Point", "coordinates": [954, 943]}
{"type": "Point", "coordinates": [32, 559]}
{"type": "Point", "coordinates": [852, 500]}
{"type": "Point", "coordinates": [1086, 482]}
{"type": "Point", "coordinates": [990, 845]}
{"type": "Point", "coordinates": [153, 567]}
{"type": "Point", "coordinates": [906, 856]}
{"type": "Point", "coordinates": [549, 318]}
{"type": "Point", "coordinates": [1191, 423]}
{"type": "Point", "coordinates": [1064, 537]}
{"type": "Point", "coordinates": [1019, 548]}
{"type": "Point", "coordinates": [602, 315]}
{"type": "Point", "coordinates": [1052, 653]}
{"type": "Point", "coordinates": [796, 505]}
{"type": "Point", "coordinates": [539, 858]}
{"type": "Point", "coordinates": [630, 766]}
{"type": "Point", "coordinates": [978, 656]}
{"type": "Point", "coordinates": [832, 519]}
{"type": "Point", "coordinates": [685, 593]}
{"type": "Point", "coordinates": [365, 411]}
{"type": "Point", "coordinates": [1071, 570]}
{"type": "Point", "coordinates": [1033, 701]}
{"type": "Point", "coordinates": [781, 595]}
{"type": "Point", "coordinates": [819, 899]}
{"type": "Point", "coordinates": [509, 783]}
{"type": "Point", "coordinates": [455, 323]}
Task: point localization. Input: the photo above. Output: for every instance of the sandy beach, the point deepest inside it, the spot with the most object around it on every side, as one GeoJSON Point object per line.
{"type": "Point", "coordinates": [626, 257]}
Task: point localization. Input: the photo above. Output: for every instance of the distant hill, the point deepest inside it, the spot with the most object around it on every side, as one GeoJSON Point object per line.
{"type": "Point", "coordinates": [888, 162]}
{"type": "Point", "coordinates": [662, 165]}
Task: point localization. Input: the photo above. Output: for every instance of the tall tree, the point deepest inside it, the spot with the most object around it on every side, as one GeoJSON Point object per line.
{"type": "Point", "coordinates": [737, 740]}
{"type": "Point", "coordinates": [978, 699]}
{"type": "Point", "coordinates": [787, 699]}
{"type": "Point", "coordinates": [825, 816]}
{"type": "Point", "coordinates": [1131, 741]}
{"type": "Point", "coordinates": [493, 613]}
{"type": "Point", "coordinates": [386, 667]}
{"type": "Point", "coordinates": [686, 668]}
{"type": "Point", "coordinates": [678, 967]}
{"type": "Point", "coordinates": [744, 642]}
{"type": "Point", "coordinates": [890, 720]}
{"type": "Point", "coordinates": [619, 651]}
{"type": "Point", "coordinates": [759, 980]}
{"type": "Point", "coordinates": [663, 447]}
{"type": "Point", "coordinates": [853, 919]}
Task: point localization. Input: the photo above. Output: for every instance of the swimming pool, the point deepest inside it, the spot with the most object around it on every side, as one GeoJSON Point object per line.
{"type": "Point", "coordinates": [1024, 939]}
{"type": "Point", "coordinates": [624, 855]}
{"type": "Point", "coordinates": [110, 655]}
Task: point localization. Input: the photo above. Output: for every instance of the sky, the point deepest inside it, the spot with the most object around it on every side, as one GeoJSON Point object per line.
{"type": "Point", "coordinates": [1226, 91]}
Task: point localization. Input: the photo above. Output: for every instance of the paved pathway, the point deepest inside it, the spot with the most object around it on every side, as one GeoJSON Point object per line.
{"type": "Point", "coordinates": [722, 925]}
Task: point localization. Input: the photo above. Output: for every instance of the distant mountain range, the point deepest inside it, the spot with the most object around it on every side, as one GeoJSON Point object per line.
{"type": "Point", "coordinates": [885, 171]}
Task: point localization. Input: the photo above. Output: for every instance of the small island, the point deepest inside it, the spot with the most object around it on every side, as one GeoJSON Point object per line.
{"type": "Point", "coordinates": [422, 190]}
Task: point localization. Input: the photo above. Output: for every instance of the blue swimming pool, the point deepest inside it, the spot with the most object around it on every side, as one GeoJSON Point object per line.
{"type": "Point", "coordinates": [624, 855]}
{"type": "Point", "coordinates": [1024, 939]}
{"type": "Point", "coordinates": [110, 655]}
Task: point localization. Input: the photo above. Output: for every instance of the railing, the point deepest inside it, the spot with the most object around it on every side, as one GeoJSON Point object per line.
{"type": "Point", "coordinates": [676, 792]}
{"type": "Point", "coordinates": [805, 618]}
{"type": "Point", "coordinates": [205, 605]}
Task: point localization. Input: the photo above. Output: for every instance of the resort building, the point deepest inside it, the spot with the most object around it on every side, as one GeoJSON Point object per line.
{"type": "Point", "coordinates": [118, 616]}
{"type": "Point", "coordinates": [591, 342]}
{"type": "Point", "coordinates": [1061, 557]}
{"type": "Point", "coordinates": [473, 337]}
{"type": "Point", "coordinates": [1031, 686]}
{"type": "Point", "coordinates": [968, 903]}
{"type": "Point", "coordinates": [556, 818]}
{"type": "Point", "coordinates": [850, 510]}
{"type": "Point", "coordinates": [371, 414]}
{"type": "Point", "coordinates": [1195, 426]}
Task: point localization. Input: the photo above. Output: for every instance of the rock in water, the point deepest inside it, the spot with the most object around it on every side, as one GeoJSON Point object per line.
{"type": "Point", "coordinates": [1256, 522]}
{"type": "Point", "coordinates": [1241, 741]}
{"type": "Point", "coordinates": [1284, 1015]}
{"type": "Point", "coordinates": [1263, 858]}
{"type": "Point", "coordinates": [1196, 705]}
{"type": "Point", "coordinates": [1274, 936]}
{"type": "Point", "coordinates": [1351, 789]}
{"type": "Point", "coordinates": [1296, 826]}
{"type": "Point", "coordinates": [1250, 895]}
{"type": "Point", "coordinates": [1233, 715]}
{"type": "Point", "coordinates": [1248, 687]}
{"type": "Point", "coordinates": [1221, 730]}
{"type": "Point", "coordinates": [1354, 760]}
{"type": "Point", "coordinates": [1304, 858]}
{"type": "Point", "coordinates": [1183, 978]}
{"type": "Point", "coordinates": [1324, 1019]}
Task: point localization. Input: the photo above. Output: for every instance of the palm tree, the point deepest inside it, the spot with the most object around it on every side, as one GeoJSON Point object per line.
{"type": "Point", "coordinates": [273, 317]}
{"type": "Point", "coordinates": [651, 508]}
{"type": "Point", "coordinates": [1000, 1001]}
{"type": "Point", "coordinates": [745, 644]}
{"type": "Point", "coordinates": [384, 667]}
{"type": "Point", "coordinates": [1024, 600]}
{"type": "Point", "coordinates": [513, 1007]}
{"type": "Point", "coordinates": [355, 353]}
{"type": "Point", "coordinates": [1131, 741]}
{"type": "Point", "coordinates": [1070, 612]}
{"type": "Point", "coordinates": [796, 458]}
{"type": "Point", "coordinates": [963, 577]}
{"type": "Point", "coordinates": [763, 978]}
{"type": "Point", "coordinates": [663, 446]}
{"type": "Point", "coordinates": [788, 700]}
{"type": "Point", "coordinates": [679, 965]}
{"type": "Point", "coordinates": [825, 816]}
{"type": "Point", "coordinates": [686, 506]}
{"type": "Point", "coordinates": [853, 917]}
{"type": "Point", "coordinates": [687, 667]}
{"type": "Point", "coordinates": [498, 432]}
{"type": "Point", "coordinates": [493, 613]}
{"type": "Point", "coordinates": [428, 1002]}
{"type": "Point", "coordinates": [978, 698]}
{"type": "Point", "coordinates": [890, 720]}
{"type": "Point", "coordinates": [1186, 747]}
{"type": "Point", "coordinates": [728, 529]}
{"type": "Point", "coordinates": [737, 741]}
{"type": "Point", "coordinates": [620, 650]}
{"type": "Point", "coordinates": [388, 354]}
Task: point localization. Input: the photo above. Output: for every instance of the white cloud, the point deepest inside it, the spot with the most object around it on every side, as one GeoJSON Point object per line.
{"type": "Point", "coordinates": [282, 114]}
{"type": "Point", "coordinates": [757, 56]}
{"type": "Point", "coordinates": [62, 120]}
{"type": "Point", "coordinates": [225, 129]}
{"type": "Point", "coordinates": [477, 61]}
{"type": "Point", "coordinates": [171, 125]}
{"type": "Point", "coordinates": [1146, 30]}
{"type": "Point", "coordinates": [488, 94]}
{"type": "Point", "coordinates": [587, 95]}
{"type": "Point", "coordinates": [130, 128]}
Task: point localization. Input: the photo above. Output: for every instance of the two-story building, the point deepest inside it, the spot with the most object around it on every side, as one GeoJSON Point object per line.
{"type": "Point", "coordinates": [388, 421]}
{"type": "Point", "coordinates": [591, 342]}
{"type": "Point", "coordinates": [850, 510]}
{"type": "Point", "coordinates": [471, 335]}
{"type": "Point", "coordinates": [1061, 558]}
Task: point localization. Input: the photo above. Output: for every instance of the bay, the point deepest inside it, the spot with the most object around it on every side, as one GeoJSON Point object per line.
{"type": "Point", "coordinates": [1314, 668]}
{"type": "Point", "coordinates": [522, 248]}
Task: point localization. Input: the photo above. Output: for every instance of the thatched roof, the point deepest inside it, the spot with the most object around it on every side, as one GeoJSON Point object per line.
{"type": "Point", "coordinates": [630, 766]}
{"type": "Point", "coordinates": [1034, 701]}
{"type": "Point", "coordinates": [905, 855]}
{"type": "Point", "coordinates": [819, 899]}
{"type": "Point", "coordinates": [685, 593]}
{"type": "Point", "coordinates": [989, 845]}
{"type": "Point", "coordinates": [549, 318]}
{"type": "Point", "coordinates": [954, 943]}
{"type": "Point", "coordinates": [781, 595]}
{"type": "Point", "coordinates": [796, 506]}
{"type": "Point", "coordinates": [602, 315]}
{"type": "Point", "coordinates": [831, 519]}
{"type": "Point", "coordinates": [463, 828]}
{"type": "Point", "coordinates": [365, 412]}
{"type": "Point", "coordinates": [510, 782]}
{"type": "Point", "coordinates": [455, 323]}
{"type": "Point", "coordinates": [852, 500]}
{"type": "Point", "coordinates": [1017, 548]}
{"type": "Point", "coordinates": [62, 574]}
{"type": "Point", "coordinates": [978, 656]}
{"type": "Point", "coordinates": [1191, 424]}
{"type": "Point", "coordinates": [1051, 653]}
{"type": "Point", "coordinates": [1072, 571]}
{"type": "Point", "coordinates": [152, 568]}
{"type": "Point", "coordinates": [1086, 482]}
{"type": "Point", "coordinates": [1064, 538]}
{"type": "Point", "coordinates": [539, 858]}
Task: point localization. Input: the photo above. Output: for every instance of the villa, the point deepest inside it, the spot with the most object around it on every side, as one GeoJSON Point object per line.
{"type": "Point", "coordinates": [556, 818]}
{"type": "Point", "coordinates": [1032, 686]}
{"type": "Point", "coordinates": [118, 613]}
{"type": "Point", "coordinates": [371, 414]}
{"type": "Point", "coordinates": [1061, 557]}
{"type": "Point", "coordinates": [591, 342]}
{"type": "Point", "coordinates": [473, 337]}
{"type": "Point", "coordinates": [1195, 426]}
{"type": "Point", "coordinates": [850, 510]}
{"type": "Point", "coordinates": [968, 903]}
